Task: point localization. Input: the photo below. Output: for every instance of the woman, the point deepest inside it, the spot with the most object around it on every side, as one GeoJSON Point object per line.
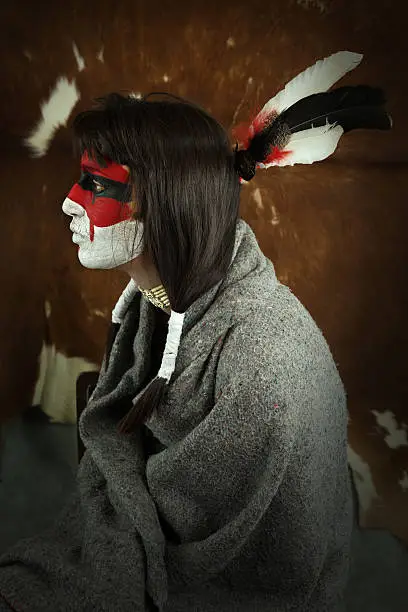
{"type": "Point", "coordinates": [220, 482]}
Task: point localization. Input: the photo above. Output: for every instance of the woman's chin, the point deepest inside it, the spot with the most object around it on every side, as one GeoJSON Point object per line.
{"type": "Point", "coordinates": [78, 239]}
{"type": "Point", "coordinates": [87, 260]}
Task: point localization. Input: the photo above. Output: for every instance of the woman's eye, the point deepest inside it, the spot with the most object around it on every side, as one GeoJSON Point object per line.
{"type": "Point", "coordinates": [98, 187]}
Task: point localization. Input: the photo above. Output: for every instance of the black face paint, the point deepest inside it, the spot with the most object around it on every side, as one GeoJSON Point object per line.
{"type": "Point", "coordinates": [111, 189]}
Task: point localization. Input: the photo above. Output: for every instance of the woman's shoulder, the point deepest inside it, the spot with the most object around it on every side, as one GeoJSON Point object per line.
{"type": "Point", "coordinates": [280, 316]}
{"type": "Point", "coordinates": [276, 356]}
{"type": "Point", "coordinates": [274, 334]}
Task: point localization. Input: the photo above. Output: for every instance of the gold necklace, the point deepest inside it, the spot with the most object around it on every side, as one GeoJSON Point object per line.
{"type": "Point", "coordinates": [157, 296]}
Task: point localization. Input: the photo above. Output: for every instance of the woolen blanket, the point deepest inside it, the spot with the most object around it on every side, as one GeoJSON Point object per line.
{"type": "Point", "coordinates": [234, 497]}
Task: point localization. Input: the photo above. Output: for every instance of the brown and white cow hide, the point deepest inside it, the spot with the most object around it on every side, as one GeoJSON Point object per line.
{"type": "Point", "coordinates": [336, 231]}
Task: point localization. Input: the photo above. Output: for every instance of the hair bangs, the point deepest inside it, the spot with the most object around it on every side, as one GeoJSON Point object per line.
{"type": "Point", "coordinates": [95, 133]}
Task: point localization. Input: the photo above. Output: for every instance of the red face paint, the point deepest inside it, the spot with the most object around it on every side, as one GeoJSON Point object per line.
{"type": "Point", "coordinates": [105, 208]}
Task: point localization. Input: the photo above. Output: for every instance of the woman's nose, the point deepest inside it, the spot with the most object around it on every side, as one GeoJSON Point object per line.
{"type": "Point", "coordinates": [72, 209]}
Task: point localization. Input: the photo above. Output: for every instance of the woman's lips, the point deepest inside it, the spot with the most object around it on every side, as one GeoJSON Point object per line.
{"type": "Point", "coordinates": [74, 232]}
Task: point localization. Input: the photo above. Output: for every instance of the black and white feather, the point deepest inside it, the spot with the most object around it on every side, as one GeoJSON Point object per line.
{"type": "Point", "coordinates": [303, 123]}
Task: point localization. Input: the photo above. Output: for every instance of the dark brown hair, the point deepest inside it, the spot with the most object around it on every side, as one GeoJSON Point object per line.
{"type": "Point", "coordinates": [182, 169]}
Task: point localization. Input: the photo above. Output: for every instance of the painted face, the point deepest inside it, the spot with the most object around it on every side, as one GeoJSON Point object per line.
{"type": "Point", "coordinates": [101, 224]}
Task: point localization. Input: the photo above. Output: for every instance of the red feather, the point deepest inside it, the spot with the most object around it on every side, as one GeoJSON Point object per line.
{"type": "Point", "coordinates": [244, 132]}
{"type": "Point", "coordinates": [261, 119]}
{"type": "Point", "coordinates": [276, 154]}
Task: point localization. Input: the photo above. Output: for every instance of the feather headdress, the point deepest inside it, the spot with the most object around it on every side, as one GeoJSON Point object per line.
{"type": "Point", "coordinates": [303, 123]}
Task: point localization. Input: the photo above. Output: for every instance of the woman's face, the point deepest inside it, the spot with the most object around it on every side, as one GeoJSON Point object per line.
{"type": "Point", "coordinates": [102, 224]}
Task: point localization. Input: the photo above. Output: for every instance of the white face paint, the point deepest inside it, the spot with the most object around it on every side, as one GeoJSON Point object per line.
{"type": "Point", "coordinates": [111, 247]}
{"type": "Point", "coordinates": [102, 224]}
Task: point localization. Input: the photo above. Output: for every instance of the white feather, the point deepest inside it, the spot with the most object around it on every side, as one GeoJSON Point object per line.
{"type": "Point", "coordinates": [315, 79]}
{"type": "Point", "coordinates": [310, 146]}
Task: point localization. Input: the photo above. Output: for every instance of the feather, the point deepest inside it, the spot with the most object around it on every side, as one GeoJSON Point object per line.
{"type": "Point", "coordinates": [307, 147]}
{"type": "Point", "coordinates": [352, 107]}
{"type": "Point", "coordinates": [317, 78]}
{"type": "Point", "coordinates": [362, 117]}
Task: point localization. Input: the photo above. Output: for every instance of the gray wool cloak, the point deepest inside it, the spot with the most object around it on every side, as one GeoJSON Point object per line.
{"type": "Point", "coordinates": [234, 497]}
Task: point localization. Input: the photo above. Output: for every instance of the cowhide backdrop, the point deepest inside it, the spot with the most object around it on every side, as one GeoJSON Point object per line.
{"type": "Point", "coordinates": [336, 231]}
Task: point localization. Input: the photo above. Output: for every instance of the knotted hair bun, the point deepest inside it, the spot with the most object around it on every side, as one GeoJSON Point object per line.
{"type": "Point", "coordinates": [245, 164]}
